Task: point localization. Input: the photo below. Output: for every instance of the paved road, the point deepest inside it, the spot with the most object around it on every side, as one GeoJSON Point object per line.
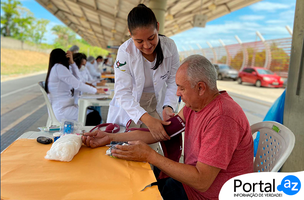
{"type": "Point", "coordinates": [254, 101]}
{"type": "Point", "coordinates": [249, 90]}
{"type": "Point", "coordinates": [23, 107]}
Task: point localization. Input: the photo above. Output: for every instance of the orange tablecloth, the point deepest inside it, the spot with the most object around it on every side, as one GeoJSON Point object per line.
{"type": "Point", "coordinates": [27, 175]}
{"type": "Point", "coordinates": [107, 76]}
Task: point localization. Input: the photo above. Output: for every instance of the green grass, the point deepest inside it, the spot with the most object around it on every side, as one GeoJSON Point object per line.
{"type": "Point", "coordinates": [21, 70]}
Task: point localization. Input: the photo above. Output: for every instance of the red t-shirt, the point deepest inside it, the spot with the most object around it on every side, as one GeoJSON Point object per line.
{"type": "Point", "coordinates": [219, 135]}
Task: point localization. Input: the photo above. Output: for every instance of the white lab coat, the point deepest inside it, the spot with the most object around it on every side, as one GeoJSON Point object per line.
{"type": "Point", "coordinates": [86, 76]}
{"type": "Point", "coordinates": [107, 68]}
{"type": "Point", "coordinates": [130, 80]}
{"type": "Point", "coordinates": [60, 83]}
{"type": "Point", "coordinates": [91, 67]}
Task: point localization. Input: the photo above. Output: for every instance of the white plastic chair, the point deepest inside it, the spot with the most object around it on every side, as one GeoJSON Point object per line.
{"type": "Point", "coordinates": [51, 119]}
{"type": "Point", "coordinates": [275, 145]}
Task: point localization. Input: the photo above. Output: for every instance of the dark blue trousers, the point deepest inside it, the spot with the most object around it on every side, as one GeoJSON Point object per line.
{"type": "Point", "coordinates": [169, 188]}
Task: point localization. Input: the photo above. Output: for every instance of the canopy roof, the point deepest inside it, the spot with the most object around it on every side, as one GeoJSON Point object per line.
{"type": "Point", "coordinates": [104, 22]}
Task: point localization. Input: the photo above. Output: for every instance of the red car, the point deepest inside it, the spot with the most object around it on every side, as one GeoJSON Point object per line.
{"type": "Point", "coordinates": [260, 77]}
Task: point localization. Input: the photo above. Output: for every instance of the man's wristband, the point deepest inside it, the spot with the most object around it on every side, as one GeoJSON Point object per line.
{"type": "Point", "coordinates": [167, 106]}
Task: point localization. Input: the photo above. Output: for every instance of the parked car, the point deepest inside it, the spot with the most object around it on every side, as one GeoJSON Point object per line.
{"type": "Point", "coordinates": [260, 77]}
{"type": "Point", "coordinates": [225, 71]}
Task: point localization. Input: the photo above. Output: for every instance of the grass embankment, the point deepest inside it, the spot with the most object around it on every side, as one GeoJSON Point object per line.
{"type": "Point", "coordinates": [16, 63]}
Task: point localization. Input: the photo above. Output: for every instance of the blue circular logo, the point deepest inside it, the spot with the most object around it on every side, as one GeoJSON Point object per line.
{"type": "Point", "coordinates": [290, 185]}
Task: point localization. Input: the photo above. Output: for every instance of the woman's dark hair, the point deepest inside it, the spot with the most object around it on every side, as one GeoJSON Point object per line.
{"type": "Point", "coordinates": [56, 56]}
{"type": "Point", "coordinates": [84, 56]}
{"type": "Point", "coordinates": [142, 16]}
{"type": "Point", "coordinates": [77, 57]}
{"type": "Point", "coordinates": [99, 57]}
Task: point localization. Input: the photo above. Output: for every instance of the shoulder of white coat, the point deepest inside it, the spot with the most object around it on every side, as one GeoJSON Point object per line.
{"type": "Point", "coordinates": [125, 54]}
{"type": "Point", "coordinates": [127, 46]}
{"type": "Point", "coordinates": [60, 66]}
{"type": "Point", "coordinates": [168, 46]}
{"type": "Point", "coordinates": [167, 41]}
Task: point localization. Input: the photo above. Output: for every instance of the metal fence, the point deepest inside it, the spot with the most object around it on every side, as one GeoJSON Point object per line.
{"type": "Point", "coordinates": [270, 54]}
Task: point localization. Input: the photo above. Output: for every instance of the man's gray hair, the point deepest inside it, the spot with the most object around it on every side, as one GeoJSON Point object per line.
{"type": "Point", "coordinates": [200, 69]}
{"type": "Point", "coordinates": [90, 59]}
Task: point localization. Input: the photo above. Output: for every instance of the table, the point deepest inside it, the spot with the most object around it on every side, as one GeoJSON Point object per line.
{"type": "Point", "coordinates": [108, 76]}
{"type": "Point", "coordinates": [26, 175]}
{"type": "Point", "coordinates": [84, 103]}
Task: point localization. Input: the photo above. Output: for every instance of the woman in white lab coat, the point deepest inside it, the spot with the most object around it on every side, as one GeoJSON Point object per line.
{"type": "Point", "coordinates": [85, 76]}
{"type": "Point", "coordinates": [59, 82]}
{"type": "Point", "coordinates": [145, 69]}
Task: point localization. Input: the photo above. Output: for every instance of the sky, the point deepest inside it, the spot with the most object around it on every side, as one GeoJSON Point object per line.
{"type": "Point", "coordinates": [269, 17]}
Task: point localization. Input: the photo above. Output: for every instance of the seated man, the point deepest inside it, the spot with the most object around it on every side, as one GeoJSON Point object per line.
{"type": "Point", "coordinates": [91, 67]}
{"type": "Point", "coordinates": [218, 142]}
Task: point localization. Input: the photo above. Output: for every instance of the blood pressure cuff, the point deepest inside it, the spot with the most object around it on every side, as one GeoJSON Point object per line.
{"type": "Point", "coordinates": [172, 148]}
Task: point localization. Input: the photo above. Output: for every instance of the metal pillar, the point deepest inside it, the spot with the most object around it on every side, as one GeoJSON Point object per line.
{"type": "Point", "coordinates": [267, 51]}
{"type": "Point", "coordinates": [203, 51]}
{"type": "Point", "coordinates": [192, 51]}
{"type": "Point", "coordinates": [294, 102]}
{"type": "Point", "coordinates": [228, 57]}
{"type": "Point", "coordinates": [214, 53]}
{"type": "Point", "coordinates": [159, 9]}
{"type": "Point", "coordinates": [245, 53]}
{"type": "Point", "coordinates": [289, 30]}
{"type": "Point", "coordinates": [186, 52]}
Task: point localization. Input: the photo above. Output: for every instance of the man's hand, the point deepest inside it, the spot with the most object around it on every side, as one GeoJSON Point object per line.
{"type": "Point", "coordinates": [96, 138]}
{"type": "Point", "coordinates": [135, 151]}
{"type": "Point", "coordinates": [167, 113]}
{"type": "Point", "coordinates": [155, 127]}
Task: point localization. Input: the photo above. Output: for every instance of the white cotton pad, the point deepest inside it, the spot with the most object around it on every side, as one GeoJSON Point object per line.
{"type": "Point", "coordinates": [65, 148]}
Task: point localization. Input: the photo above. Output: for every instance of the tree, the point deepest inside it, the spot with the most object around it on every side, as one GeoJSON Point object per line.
{"type": "Point", "coordinates": [279, 58]}
{"type": "Point", "coordinates": [38, 30]}
{"type": "Point", "coordinates": [222, 60]}
{"type": "Point", "coordinates": [23, 24]}
{"type": "Point", "coordinates": [65, 36]}
{"type": "Point", "coordinates": [10, 11]}
{"type": "Point", "coordinates": [237, 60]}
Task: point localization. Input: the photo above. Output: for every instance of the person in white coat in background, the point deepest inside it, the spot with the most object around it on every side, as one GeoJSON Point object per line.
{"type": "Point", "coordinates": [59, 82]}
{"type": "Point", "coordinates": [83, 74]}
{"type": "Point", "coordinates": [91, 67]}
{"type": "Point", "coordinates": [145, 69]}
{"type": "Point", "coordinates": [81, 59]}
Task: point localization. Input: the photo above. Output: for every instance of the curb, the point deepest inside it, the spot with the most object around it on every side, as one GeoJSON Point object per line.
{"type": "Point", "coordinates": [13, 77]}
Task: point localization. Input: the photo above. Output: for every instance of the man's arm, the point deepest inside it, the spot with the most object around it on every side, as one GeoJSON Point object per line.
{"type": "Point", "coordinates": [100, 138]}
{"type": "Point", "coordinates": [199, 177]}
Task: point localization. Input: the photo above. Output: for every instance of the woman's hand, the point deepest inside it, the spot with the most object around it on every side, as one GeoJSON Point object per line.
{"type": "Point", "coordinates": [167, 113]}
{"type": "Point", "coordinates": [155, 127]}
{"type": "Point", "coordinates": [100, 91]}
{"type": "Point", "coordinates": [90, 84]}
{"type": "Point", "coordinates": [102, 83]}
{"type": "Point", "coordinates": [69, 55]}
